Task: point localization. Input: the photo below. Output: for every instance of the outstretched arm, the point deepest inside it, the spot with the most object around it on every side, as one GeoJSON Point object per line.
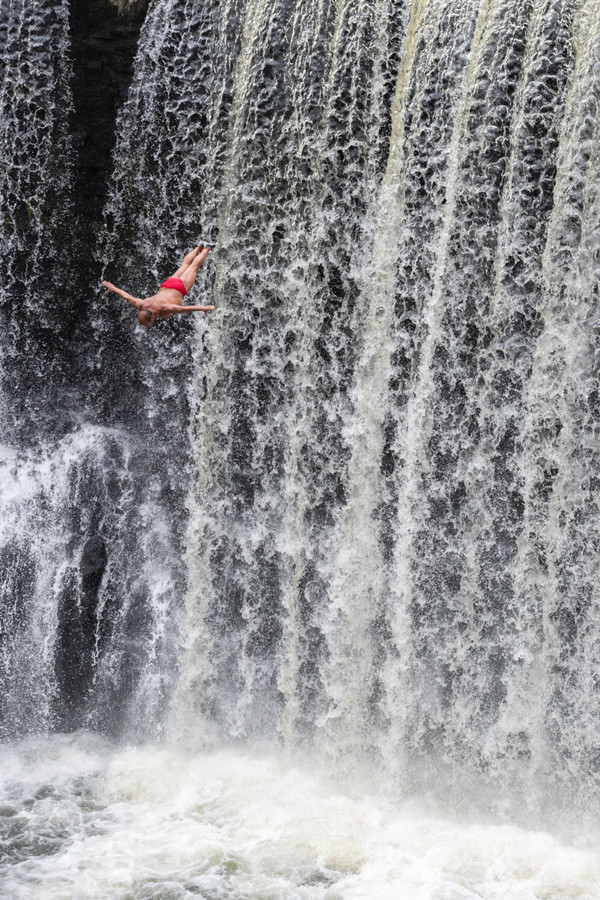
{"type": "Point", "coordinates": [186, 309]}
{"type": "Point", "coordinates": [110, 288]}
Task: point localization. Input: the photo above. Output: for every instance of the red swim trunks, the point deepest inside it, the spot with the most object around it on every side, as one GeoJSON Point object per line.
{"type": "Point", "coordinates": [175, 284]}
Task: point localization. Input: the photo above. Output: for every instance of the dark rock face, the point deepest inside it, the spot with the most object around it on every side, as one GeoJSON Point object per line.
{"type": "Point", "coordinates": [78, 632]}
{"type": "Point", "coordinates": [104, 39]}
{"type": "Point", "coordinates": [93, 558]}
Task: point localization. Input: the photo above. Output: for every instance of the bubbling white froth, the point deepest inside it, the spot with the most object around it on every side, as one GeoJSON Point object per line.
{"type": "Point", "coordinates": [147, 823]}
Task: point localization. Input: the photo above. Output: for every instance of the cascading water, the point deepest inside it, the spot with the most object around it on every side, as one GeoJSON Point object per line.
{"type": "Point", "coordinates": [34, 186]}
{"type": "Point", "coordinates": [88, 558]}
{"type": "Point", "coordinates": [353, 516]}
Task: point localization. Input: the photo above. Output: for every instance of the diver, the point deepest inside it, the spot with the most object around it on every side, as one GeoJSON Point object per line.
{"type": "Point", "coordinates": [169, 299]}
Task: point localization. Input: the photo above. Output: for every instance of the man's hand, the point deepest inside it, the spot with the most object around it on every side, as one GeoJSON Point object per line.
{"type": "Point", "coordinates": [109, 287]}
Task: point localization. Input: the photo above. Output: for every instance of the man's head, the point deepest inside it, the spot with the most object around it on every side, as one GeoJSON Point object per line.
{"type": "Point", "coordinates": [146, 317]}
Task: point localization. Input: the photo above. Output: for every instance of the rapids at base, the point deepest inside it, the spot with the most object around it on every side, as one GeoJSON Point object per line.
{"type": "Point", "coordinates": [87, 820]}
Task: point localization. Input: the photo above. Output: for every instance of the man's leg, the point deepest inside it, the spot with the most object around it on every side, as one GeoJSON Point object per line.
{"type": "Point", "coordinates": [188, 276]}
{"type": "Point", "coordinates": [187, 261]}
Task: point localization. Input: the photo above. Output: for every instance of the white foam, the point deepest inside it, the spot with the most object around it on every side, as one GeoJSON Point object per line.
{"type": "Point", "coordinates": [155, 823]}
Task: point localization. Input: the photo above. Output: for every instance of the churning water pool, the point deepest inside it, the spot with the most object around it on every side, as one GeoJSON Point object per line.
{"type": "Point", "coordinates": [80, 819]}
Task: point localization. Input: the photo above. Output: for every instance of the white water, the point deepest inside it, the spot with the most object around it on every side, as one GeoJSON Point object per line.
{"type": "Point", "coordinates": [51, 501]}
{"type": "Point", "coordinates": [83, 821]}
{"type": "Point", "coordinates": [388, 466]}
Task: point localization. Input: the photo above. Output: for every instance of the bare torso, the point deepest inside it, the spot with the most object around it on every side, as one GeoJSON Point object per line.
{"type": "Point", "coordinates": [157, 302]}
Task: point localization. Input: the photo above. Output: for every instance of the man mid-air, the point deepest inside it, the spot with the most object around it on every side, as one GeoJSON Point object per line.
{"type": "Point", "coordinates": [169, 299]}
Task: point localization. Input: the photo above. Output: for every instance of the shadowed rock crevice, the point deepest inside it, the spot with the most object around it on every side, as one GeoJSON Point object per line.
{"type": "Point", "coordinates": [104, 38]}
{"type": "Point", "coordinates": [79, 635]}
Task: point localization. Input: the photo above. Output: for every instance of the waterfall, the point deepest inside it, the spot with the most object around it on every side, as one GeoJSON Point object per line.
{"type": "Point", "coordinates": [34, 181]}
{"type": "Point", "coordinates": [34, 184]}
{"type": "Point", "coordinates": [88, 558]}
{"type": "Point", "coordinates": [352, 515]}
